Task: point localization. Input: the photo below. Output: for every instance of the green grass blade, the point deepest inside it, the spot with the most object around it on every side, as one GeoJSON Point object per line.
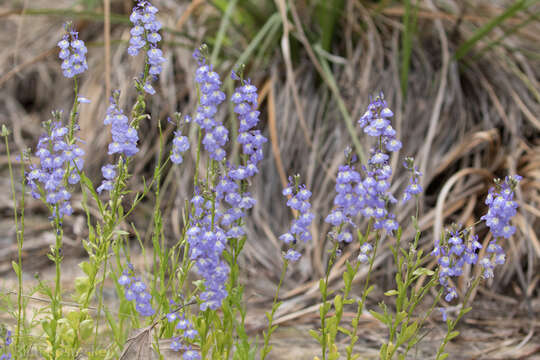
{"type": "Point", "coordinates": [409, 27]}
{"type": "Point", "coordinates": [328, 13]}
{"type": "Point", "coordinates": [328, 77]}
{"type": "Point", "coordinates": [507, 33]}
{"type": "Point", "coordinates": [222, 30]}
{"type": "Point", "coordinates": [490, 25]}
{"type": "Point", "coordinates": [274, 20]}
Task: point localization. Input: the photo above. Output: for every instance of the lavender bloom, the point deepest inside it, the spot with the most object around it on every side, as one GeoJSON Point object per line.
{"type": "Point", "coordinates": [60, 162]}
{"type": "Point", "coordinates": [444, 313]}
{"type": "Point", "coordinates": [299, 230]}
{"type": "Point", "coordinates": [216, 135]}
{"type": "Point", "coordinates": [191, 354]}
{"type": "Point", "coordinates": [72, 53]}
{"type": "Point", "coordinates": [372, 191]}
{"type": "Point", "coordinates": [347, 202]}
{"type": "Point", "coordinates": [207, 242]}
{"type": "Point", "coordinates": [180, 145]}
{"type": "Point", "coordinates": [457, 250]}
{"type": "Point", "coordinates": [145, 35]}
{"type": "Point", "coordinates": [188, 332]}
{"type": "Point", "coordinates": [365, 250]}
{"type": "Point", "coordinates": [502, 208]}
{"type": "Point", "coordinates": [124, 136]}
{"type": "Point", "coordinates": [135, 290]}
{"type": "Point", "coordinates": [7, 341]}
{"type": "Point", "coordinates": [108, 176]}
{"type": "Point", "coordinates": [413, 188]}
{"type": "Point", "coordinates": [245, 99]}
{"type": "Point", "coordinates": [292, 255]}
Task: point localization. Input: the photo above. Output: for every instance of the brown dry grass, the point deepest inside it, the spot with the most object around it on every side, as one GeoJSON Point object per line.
{"type": "Point", "coordinates": [465, 122]}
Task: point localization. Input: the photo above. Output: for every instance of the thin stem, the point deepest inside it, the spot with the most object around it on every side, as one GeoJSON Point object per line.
{"type": "Point", "coordinates": [265, 350]}
{"type": "Point", "coordinates": [196, 176]}
{"type": "Point", "coordinates": [73, 114]}
{"type": "Point", "coordinates": [56, 307]}
{"type": "Point", "coordinates": [452, 324]}
{"type": "Point", "coordinates": [100, 296]}
{"type": "Point", "coordinates": [20, 239]}
{"type": "Point", "coordinates": [360, 309]}
{"type": "Point", "coordinates": [325, 298]}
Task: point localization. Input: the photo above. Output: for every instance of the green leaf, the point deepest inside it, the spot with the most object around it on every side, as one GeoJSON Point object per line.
{"type": "Point", "coordinates": [16, 268]}
{"type": "Point", "coordinates": [382, 318]}
{"type": "Point", "coordinates": [383, 353]}
{"type": "Point", "coordinates": [315, 334]}
{"type": "Point", "coordinates": [391, 292]}
{"type": "Point", "coordinates": [423, 271]}
{"type": "Point", "coordinates": [322, 286]}
{"type": "Point", "coordinates": [344, 331]}
{"type": "Point", "coordinates": [338, 303]}
{"type": "Point", "coordinates": [453, 335]}
{"type": "Point", "coordinates": [86, 328]}
{"type": "Point", "coordinates": [409, 332]}
{"type": "Point", "coordinates": [443, 356]}
{"type": "Point", "coordinates": [369, 289]}
{"type": "Point", "coordinates": [466, 310]}
{"type": "Point", "coordinates": [400, 317]}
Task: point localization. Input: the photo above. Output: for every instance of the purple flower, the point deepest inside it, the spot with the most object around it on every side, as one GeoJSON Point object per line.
{"type": "Point", "coordinates": [502, 208]}
{"type": "Point", "coordinates": [211, 97]}
{"type": "Point", "coordinates": [443, 313]}
{"type": "Point", "coordinates": [73, 54]}
{"type": "Point", "coordinates": [134, 290]}
{"type": "Point", "coordinates": [176, 344]}
{"type": "Point", "coordinates": [299, 230]}
{"type": "Point", "coordinates": [292, 255]}
{"type": "Point", "coordinates": [180, 145]}
{"type": "Point", "coordinates": [59, 166]}
{"type": "Point", "coordinates": [144, 35]}
{"type": "Point", "coordinates": [124, 136]}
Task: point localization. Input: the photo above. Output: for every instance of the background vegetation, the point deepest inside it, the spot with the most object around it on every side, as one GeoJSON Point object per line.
{"type": "Point", "coordinates": [461, 76]}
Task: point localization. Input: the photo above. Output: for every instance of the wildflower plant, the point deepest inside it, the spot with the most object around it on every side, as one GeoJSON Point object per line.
{"type": "Point", "coordinates": [205, 318]}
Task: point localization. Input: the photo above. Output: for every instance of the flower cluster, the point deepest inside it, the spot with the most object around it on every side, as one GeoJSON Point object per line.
{"type": "Point", "coordinates": [72, 53]}
{"type": "Point", "coordinates": [7, 341]}
{"type": "Point", "coordinates": [216, 135]}
{"type": "Point", "coordinates": [373, 189]}
{"type": "Point", "coordinates": [245, 99]}
{"type": "Point", "coordinates": [299, 201]}
{"type": "Point", "coordinates": [365, 251]}
{"type": "Point", "coordinates": [124, 136]}
{"type": "Point", "coordinates": [188, 332]}
{"type": "Point", "coordinates": [109, 174]}
{"type": "Point", "coordinates": [180, 145]}
{"type": "Point", "coordinates": [135, 290]}
{"type": "Point", "coordinates": [144, 34]}
{"type": "Point", "coordinates": [453, 254]}
{"type": "Point", "coordinates": [207, 241]}
{"type": "Point", "coordinates": [60, 163]}
{"type": "Point", "coordinates": [347, 204]}
{"type": "Point", "coordinates": [413, 189]}
{"type": "Point", "coordinates": [502, 208]}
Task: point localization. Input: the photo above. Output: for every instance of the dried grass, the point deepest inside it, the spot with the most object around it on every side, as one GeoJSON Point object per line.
{"type": "Point", "coordinates": [465, 122]}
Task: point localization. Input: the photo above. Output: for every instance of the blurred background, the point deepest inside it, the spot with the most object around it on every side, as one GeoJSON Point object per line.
{"type": "Point", "coordinates": [462, 77]}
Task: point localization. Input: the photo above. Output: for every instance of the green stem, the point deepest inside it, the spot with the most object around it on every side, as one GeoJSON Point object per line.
{"type": "Point", "coordinates": [100, 296]}
{"type": "Point", "coordinates": [325, 300]}
{"type": "Point", "coordinates": [196, 176]}
{"type": "Point", "coordinates": [20, 239]}
{"type": "Point", "coordinates": [266, 349]}
{"type": "Point", "coordinates": [73, 114]}
{"type": "Point", "coordinates": [361, 303]}
{"type": "Point", "coordinates": [56, 304]}
{"type": "Point", "coordinates": [452, 324]}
